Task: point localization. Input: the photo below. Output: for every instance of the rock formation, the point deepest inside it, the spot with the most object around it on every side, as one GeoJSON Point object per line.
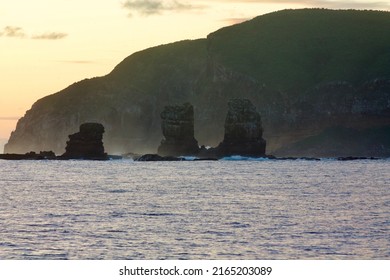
{"type": "Point", "coordinates": [243, 131]}
{"type": "Point", "coordinates": [87, 143]}
{"type": "Point", "coordinates": [328, 75]}
{"type": "Point", "coordinates": [178, 129]}
{"type": "Point", "coordinates": [43, 155]}
{"type": "Point", "coordinates": [154, 157]}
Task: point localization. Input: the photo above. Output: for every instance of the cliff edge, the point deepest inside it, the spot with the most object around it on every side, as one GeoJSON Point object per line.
{"type": "Point", "coordinates": [306, 71]}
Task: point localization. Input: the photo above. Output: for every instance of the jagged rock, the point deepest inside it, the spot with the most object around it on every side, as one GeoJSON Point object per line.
{"type": "Point", "coordinates": [47, 155]}
{"type": "Point", "coordinates": [87, 143]}
{"type": "Point", "coordinates": [154, 157]}
{"type": "Point", "coordinates": [243, 131]}
{"type": "Point", "coordinates": [132, 156]}
{"type": "Point", "coordinates": [206, 159]}
{"type": "Point", "coordinates": [29, 156]}
{"type": "Point", "coordinates": [356, 158]}
{"type": "Point", "coordinates": [178, 129]}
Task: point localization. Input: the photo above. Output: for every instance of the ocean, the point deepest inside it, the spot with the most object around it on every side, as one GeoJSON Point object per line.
{"type": "Point", "coordinates": [228, 209]}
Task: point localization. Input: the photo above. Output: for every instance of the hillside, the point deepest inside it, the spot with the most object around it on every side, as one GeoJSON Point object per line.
{"type": "Point", "coordinates": [305, 70]}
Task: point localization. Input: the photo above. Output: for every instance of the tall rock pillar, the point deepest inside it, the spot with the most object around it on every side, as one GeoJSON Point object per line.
{"type": "Point", "coordinates": [243, 131]}
{"type": "Point", "coordinates": [178, 130]}
{"type": "Point", "coordinates": [87, 143]}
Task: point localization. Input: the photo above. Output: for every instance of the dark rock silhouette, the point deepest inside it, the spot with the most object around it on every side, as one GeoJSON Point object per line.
{"type": "Point", "coordinates": [356, 158]}
{"type": "Point", "coordinates": [178, 129]}
{"type": "Point", "coordinates": [154, 157]}
{"type": "Point", "coordinates": [243, 131]}
{"type": "Point", "coordinates": [29, 156]}
{"type": "Point", "coordinates": [87, 143]}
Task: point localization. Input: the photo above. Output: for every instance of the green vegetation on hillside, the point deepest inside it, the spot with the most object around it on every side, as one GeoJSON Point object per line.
{"type": "Point", "coordinates": [165, 64]}
{"type": "Point", "coordinates": [297, 49]}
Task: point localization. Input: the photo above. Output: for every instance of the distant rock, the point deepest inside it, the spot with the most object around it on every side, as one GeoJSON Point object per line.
{"type": "Point", "coordinates": [87, 143]}
{"type": "Point", "coordinates": [154, 157]}
{"type": "Point", "coordinates": [356, 158]}
{"type": "Point", "coordinates": [243, 131]}
{"type": "Point", "coordinates": [47, 155]}
{"type": "Point", "coordinates": [130, 155]}
{"type": "Point", "coordinates": [29, 156]}
{"type": "Point", "coordinates": [178, 129]}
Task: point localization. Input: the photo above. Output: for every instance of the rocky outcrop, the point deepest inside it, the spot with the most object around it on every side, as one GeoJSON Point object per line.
{"type": "Point", "coordinates": [178, 129]}
{"type": "Point", "coordinates": [336, 77]}
{"type": "Point", "coordinates": [243, 131]}
{"type": "Point", "coordinates": [87, 143]}
{"type": "Point", "coordinates": [155, 157]}
{"type": "Point", "coordinates": [45, 155]}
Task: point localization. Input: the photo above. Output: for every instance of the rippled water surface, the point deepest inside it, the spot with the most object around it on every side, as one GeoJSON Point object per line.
{"type": "Point", "coordinates": [195, 210]}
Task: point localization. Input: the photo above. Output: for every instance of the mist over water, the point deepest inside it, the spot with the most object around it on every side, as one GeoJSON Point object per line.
{"type": "Point", "coordinates": [195, 210]}
{"type": "Point", "coordinates": [2, 143]}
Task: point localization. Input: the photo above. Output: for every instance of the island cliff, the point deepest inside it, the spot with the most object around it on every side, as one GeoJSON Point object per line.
{"type": "Point", "coordinates": [318, 78]}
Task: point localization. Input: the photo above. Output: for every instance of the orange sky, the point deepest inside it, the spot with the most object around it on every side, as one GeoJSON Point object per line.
{"type": "Point", "coordinates": [46, 45]}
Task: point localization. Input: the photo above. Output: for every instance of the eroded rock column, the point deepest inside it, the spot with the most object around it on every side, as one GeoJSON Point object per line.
{"type": "Point", "coordinates": [87, 143]}
{"type": "Point", "coordinates": [243, 131]}
{"type": "Point", "coordinates": [178, 130]}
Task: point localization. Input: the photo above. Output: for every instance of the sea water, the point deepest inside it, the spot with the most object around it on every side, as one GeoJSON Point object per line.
{"type": "Point", "coordinates": [242, 209]}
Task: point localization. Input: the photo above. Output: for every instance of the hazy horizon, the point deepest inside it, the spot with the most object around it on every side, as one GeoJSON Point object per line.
{"type": "Point", "coordinates": [3, 141]}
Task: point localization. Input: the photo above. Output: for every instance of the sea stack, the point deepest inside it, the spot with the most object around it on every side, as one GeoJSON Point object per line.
{"type": "Point", "coordinates": [87, 143]}
{"type": "Point", "coordinates": [243, 131]}
{"type": "Point", "coordinates": [178, 130]}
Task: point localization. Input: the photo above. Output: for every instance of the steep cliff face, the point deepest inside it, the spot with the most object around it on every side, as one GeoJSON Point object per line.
{"type": "Point", "coordinates": [304, 70]}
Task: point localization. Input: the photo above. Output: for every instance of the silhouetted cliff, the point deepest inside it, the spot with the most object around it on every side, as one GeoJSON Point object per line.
{"type": "Point", "coordinates": [306, 71]}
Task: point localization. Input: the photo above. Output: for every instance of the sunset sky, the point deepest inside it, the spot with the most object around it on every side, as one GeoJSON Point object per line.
{"type": "Point", "coordinates": [46, 45]}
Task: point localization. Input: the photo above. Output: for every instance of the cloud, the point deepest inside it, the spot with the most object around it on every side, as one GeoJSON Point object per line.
{"type": "Point", "coordinates": [147, 7]}
{"type": "Point", "coordinates": [18, 32]}
{"type": "Point", "coordinates": [13, 32]}
{"type": "Point", "coordinates": [50, 36]}
{"type": "Point", "coordinates": [153, 7]}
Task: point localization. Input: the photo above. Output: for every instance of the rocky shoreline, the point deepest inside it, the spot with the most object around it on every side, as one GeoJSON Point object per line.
{"type": "Point", "coordinates": [242, 139]}
{"type": "Point", "coordinates": [155, 157]}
